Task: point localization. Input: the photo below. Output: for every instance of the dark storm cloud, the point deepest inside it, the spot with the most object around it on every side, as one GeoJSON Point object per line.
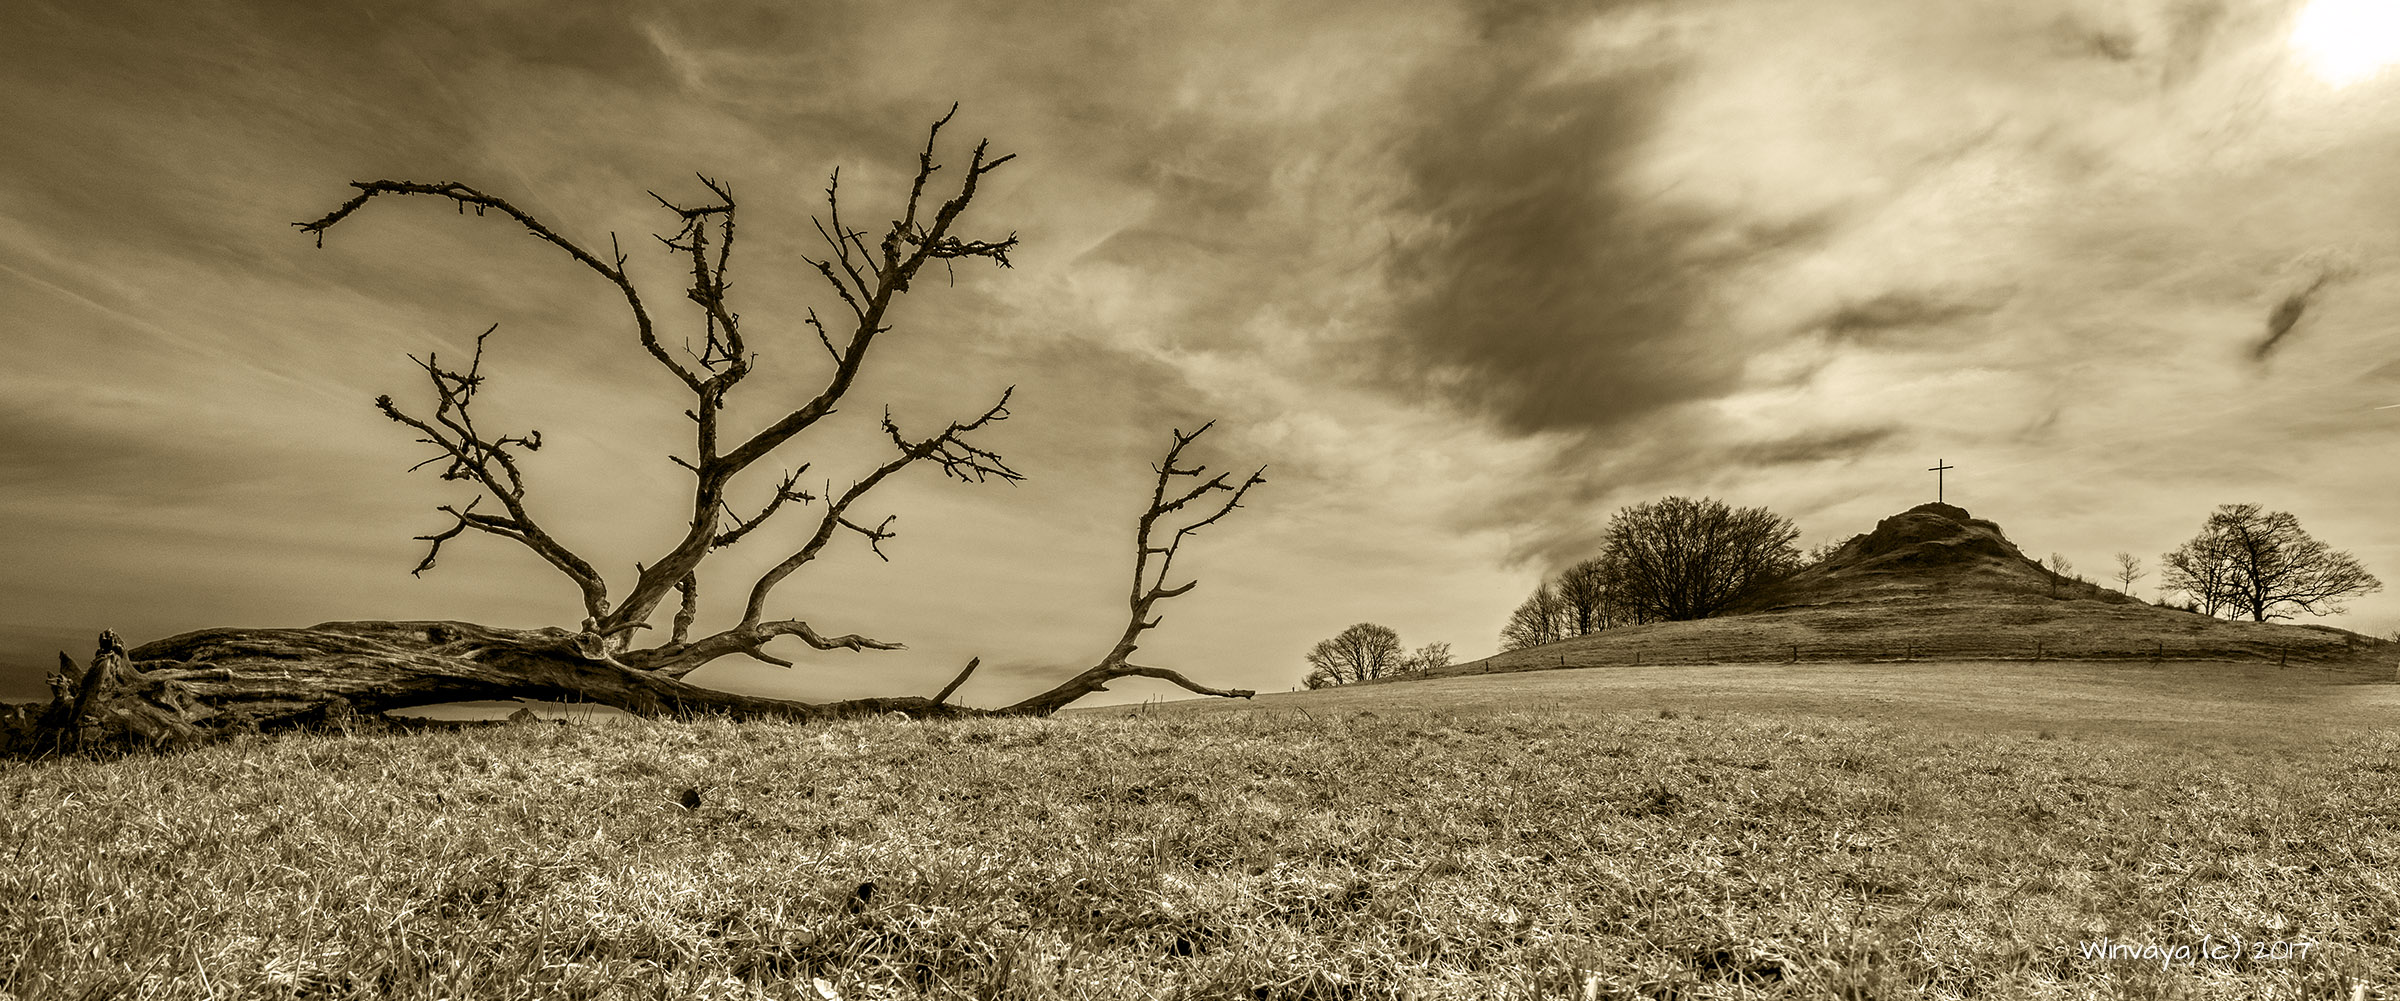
{"type": "Point", "coordinates": [1814, 446]}
{"type": "Point", "coordinates": [1876, 320]}
{"type": "Point", "coordinates": [2115, 46]}
{"type": "Point", "coordinates": [1548, 295]}
{"type": "Point", "coordinates": [2287, 314]}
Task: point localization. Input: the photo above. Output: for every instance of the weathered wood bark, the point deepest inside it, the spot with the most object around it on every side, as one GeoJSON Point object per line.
{"type": "Point", "coordinates": [216, 682]}
{"type": "Point", "coordinates": [213, 683]}
{"type": "Point", "coordinates": [109, 702]}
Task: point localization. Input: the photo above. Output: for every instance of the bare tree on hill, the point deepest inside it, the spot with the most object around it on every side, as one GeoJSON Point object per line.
{"type": "Point", "coordinates": [1365, 652]}
{"type": "Point", "coordinates": [1582, 599]}
{"type": "Point", "coordinates": [1676, 558]}
{"type": "Point", "coordinates": [1586, 597]}
{"type": "Point", "coordinates": [2203, 570]}
{"type": "Point", "coordinates": [220, 680]}
{"type": "Point", "coordinates": [2262, 564]}
{"type": "Point", "coordinates": [1431, 656]}
{"type": "Point", "coordinates": [1540, 619]}
{"type": "Point", "coordinates": [2062, 573]}
{"type": "Point", "coordinates": [2129, 569]}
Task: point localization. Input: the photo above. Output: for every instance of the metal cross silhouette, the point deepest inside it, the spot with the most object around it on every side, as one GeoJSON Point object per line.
{"type": "Point", "coordinates": [1936, 469]}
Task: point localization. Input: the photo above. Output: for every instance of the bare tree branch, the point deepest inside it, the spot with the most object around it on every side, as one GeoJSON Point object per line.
{"type": "Point", "coordinates": [1163, 674]}
{"type": "Point", "coordinates": [788, 490]}
{"type": "Point", "coordinates": [841, 239]}
{"type": "Point", "coordinates": [949, 449]}
{"type": "Point", "coordinates": [1149, 582]}
{"type": "Point", "coordinates": [958, 460]}
{"type": "Point", "coordinates": [904, 249]}
{"type": "Point", "coordinates": [944, 694]}
{"type": "Point", "coordinates": [466, 196]}
{"type": "Point", "coordinates": [722, 351]}
{"type": "Point", "coordinates": [868, 277]}
{"type": "Point", "coordinates": [678, 659]}
{"type": "Point", "coordinates": [868, 287]}
{"type": "Point", "coordinates": [823, 337]}
{"type": "Point", "coordinates": [875, 535]}
{"type": "Point", "coordinates": [488, 462]}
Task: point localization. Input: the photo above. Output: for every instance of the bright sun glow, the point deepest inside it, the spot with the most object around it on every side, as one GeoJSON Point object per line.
{"type": "Point", "coordinates": [2346, 41]}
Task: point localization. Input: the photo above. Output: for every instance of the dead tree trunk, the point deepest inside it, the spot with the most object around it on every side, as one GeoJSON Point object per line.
{"type": "Point", "coordinates": [221, 681]}
{"type": "Point", "coordinates": [197, 685]}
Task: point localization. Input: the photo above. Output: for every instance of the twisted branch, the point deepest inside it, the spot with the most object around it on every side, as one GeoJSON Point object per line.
{"type": "Point", "coordinates": [679, 658]}
{"type": "Point", "coordinates": [865, 284]}
{"type": "Point", "coordinates": [866, 277]}
{"type": "Point", "coordinates": [788, 490]}
{"type": "Point", "coordinates": [465, 197]}
{"type": "Point", "coordinates": [949, 449]}
{"type": "Point", "coordinates": [1150, 582]}
{"type": "Point", "coordinates": [488, 462]}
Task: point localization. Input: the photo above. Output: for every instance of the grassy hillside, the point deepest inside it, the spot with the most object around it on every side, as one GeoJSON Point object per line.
{"type": "Point", "coordinates": [1829, 831]}
{"type": "Point", "coordinates": [2225, 703]}
{"type": "Point", "coordinates": [1961, 627]}
{"type": "Point", "coordinates": [1935, 583]}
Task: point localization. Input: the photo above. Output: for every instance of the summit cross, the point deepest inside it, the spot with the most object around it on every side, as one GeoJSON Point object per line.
{"type": "Point", "coordinates": [1936, 469]}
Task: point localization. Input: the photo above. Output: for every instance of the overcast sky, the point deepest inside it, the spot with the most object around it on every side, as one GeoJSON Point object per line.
{"type": "Point", "coordinates": [1466, 277]}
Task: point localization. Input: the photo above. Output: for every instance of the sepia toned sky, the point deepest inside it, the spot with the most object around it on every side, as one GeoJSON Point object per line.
{"type": "Point", "coordinates": [1465, 276]}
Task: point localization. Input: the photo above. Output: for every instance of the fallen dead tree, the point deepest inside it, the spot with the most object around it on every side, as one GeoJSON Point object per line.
{"type": "Point", "coordinates": [218, 681]}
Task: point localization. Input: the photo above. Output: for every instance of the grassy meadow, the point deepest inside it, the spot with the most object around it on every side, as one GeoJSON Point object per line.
{"type": "Point", "coordinates": [1848, 831]}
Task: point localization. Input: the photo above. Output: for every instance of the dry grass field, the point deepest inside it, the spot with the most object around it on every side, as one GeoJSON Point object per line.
{"type": "Point", "coordinates": [2000, 830]}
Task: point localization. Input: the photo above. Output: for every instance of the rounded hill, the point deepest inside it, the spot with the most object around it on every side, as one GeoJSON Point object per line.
{"type": "Point", "coordinates": [1928, 550]}
{"type": "Point", "coordinates": [1936, 583]}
